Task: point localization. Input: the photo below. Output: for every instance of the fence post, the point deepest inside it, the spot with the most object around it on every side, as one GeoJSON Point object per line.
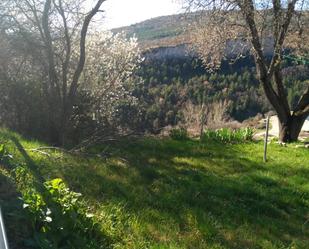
{"type": "Point", "coordinates": [3, 240]}
{"type": "Point", "coordinates": [266, 139]}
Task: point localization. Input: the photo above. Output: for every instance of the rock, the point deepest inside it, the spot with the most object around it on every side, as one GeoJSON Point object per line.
{"type": "Point", "coordinates": [261, 125]}
{"type": "Point", "coordinates": [282, 144]}
{"type": "Point", "coordinates": [270, 113]}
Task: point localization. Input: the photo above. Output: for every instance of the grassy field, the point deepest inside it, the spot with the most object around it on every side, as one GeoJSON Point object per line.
{"type": "Point", "coordinates": [160, 194]}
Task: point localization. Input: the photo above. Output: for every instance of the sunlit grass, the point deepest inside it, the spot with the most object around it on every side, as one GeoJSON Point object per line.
{"type": "Point", "coordinates": [159, 194]}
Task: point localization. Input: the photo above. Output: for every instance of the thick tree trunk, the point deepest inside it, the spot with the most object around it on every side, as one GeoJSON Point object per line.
{"type": "Point", "coordinates": [291, 128]}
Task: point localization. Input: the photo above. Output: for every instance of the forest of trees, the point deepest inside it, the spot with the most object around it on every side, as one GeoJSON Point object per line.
{"type": "Point", "coordinates": [172, 83]}
{"type": "Point", "coordinates": [62, 80]}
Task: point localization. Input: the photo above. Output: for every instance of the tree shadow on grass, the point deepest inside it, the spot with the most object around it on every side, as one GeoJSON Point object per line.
{"type": "Point", "coordinates": [231, 198]}
{"type": "Point", "coordinates": [38, 184]}
{"type": "Point", "coordinates": [227, 193]}
{"type": "Point", "coordinates": [30, 164]}
{"type": "Point", "coordinates": [11, 207]}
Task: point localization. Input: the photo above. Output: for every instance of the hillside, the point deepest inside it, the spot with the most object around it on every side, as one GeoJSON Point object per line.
{"type": "Point", "coordinates": [168, 31]}
{"type": "Point", "coordinates": [173, 77]}
{"type": "Point", "coordinates": [156, 194]}
{"type": "Point", "coordinates": [161, 31]}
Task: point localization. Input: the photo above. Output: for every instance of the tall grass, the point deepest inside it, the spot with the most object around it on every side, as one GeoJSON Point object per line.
{"type": "Point", "coordinates": [227, 135]}
{"type": "Point", "coordinates": [180, 134]}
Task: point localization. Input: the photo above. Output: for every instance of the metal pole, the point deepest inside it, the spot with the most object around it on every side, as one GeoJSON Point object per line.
{"type": "Point", "coordinates": [202, 117]}
{"type": "Point", "coordinates": [266, 139]}
{"type": "Point", "coordinates": [3, 240]}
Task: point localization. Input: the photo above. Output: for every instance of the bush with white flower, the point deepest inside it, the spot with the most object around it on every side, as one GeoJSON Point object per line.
{"type": "Point", "coordinates": [110, 72]}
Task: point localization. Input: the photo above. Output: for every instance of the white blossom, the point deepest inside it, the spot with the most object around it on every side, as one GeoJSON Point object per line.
{"type": "Point", "coordinates": [109, 74]}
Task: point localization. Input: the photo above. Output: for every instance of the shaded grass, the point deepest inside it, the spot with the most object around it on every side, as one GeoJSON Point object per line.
{"type": "Point", "coordinates": [183, 194]}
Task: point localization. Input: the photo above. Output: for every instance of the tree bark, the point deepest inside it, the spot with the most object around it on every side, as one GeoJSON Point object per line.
{"type": "Point", "coordinates": [290, 130]}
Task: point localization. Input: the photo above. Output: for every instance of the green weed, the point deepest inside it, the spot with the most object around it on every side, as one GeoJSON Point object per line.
{"type": "Point", "coordinates": [180, 134]}
{"type": "Point", "coordinates": [226, 135]}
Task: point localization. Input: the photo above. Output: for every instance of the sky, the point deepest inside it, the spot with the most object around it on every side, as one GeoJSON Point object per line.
{"type": "Point", "coordinates": [126, 12]}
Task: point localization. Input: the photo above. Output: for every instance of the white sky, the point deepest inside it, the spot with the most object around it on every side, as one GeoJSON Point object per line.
{"type": "Point", "coordinates": [126, 12]}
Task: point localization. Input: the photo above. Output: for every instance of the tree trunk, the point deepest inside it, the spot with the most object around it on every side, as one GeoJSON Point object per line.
{"type": "Point", "coordinates": [65, 121]}
{"type": "Point", "coordinates": [290, 129]}
{"type": "Point", "coordinates": [53, 123]}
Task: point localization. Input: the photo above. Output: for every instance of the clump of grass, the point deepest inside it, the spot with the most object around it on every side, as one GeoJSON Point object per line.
{"type": "Point", "coordinates": [179, 134]}
{"type": "Point", "coordinates": [227, 135]}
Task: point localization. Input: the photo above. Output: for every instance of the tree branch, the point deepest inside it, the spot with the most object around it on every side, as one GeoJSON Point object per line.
{"type": "Point", "coordinates": [279, 39]}
{"type": "Point", "coordinates": [82, 56]}
{"type": "Point", "coordinates": [247, 9]}
{"type": "Point", "coordinates": [68, 49]}
{"type": "Point", "coordinates": [302, 107]}
{"type": "Point", "coordinates": [52, 74]}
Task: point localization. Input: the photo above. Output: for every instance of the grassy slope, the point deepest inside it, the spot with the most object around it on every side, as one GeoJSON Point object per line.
{"type": "Point", "coordinates": [161, 31]}
{"type": "Point", "coordinates": [157, 28]}
{"type": "Point", "coordinates": [168, 194]}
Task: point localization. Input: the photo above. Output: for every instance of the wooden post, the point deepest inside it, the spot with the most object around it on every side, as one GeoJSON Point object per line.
{"type": "Point", "coordinates": [266, 139]}
{"type": "Point", "coordinates": [3, 240]}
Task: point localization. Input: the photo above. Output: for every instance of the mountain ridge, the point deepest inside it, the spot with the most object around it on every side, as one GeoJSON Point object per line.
{"type": "Point", "coordinates": [171, 34]}
{"type": "Point", "coordinates": [163, 31]}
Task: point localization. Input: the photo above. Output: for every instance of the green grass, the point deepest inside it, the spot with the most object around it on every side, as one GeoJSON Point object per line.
{"type": "Point", "coordinates": [162, 194]}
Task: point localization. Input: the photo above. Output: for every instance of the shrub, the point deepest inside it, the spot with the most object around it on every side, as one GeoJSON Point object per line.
{"type": "Point", "coordinates": [4, 154]}
{"type": "Point", "coordinates": [59, 217]}
{"type": "Point", "coordinates": [226, 135]}
{"type": "Point", "coordinates": [179, 134]}
{"type": "Point", "coordinates": [209, 135]}
{"type": "Point", "coordinates": [248, 133]}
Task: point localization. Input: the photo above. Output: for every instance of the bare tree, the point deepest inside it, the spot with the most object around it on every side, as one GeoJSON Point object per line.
{"type": "Point", "coordinates": [212, 115]}
{"type": "Point", "coordinates": [233, 28]}
{"type": "Point", "coordinates": [54, 33]}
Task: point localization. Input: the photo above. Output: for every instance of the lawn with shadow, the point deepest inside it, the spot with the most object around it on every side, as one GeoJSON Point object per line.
{"type": "Point", "coordinates": [157, 194]}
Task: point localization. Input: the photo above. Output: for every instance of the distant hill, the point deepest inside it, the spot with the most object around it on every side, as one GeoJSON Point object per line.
{"type": "Point", "coordinates": [161, 31]}
{"type": "Point", "coordinates": [169, 35]}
